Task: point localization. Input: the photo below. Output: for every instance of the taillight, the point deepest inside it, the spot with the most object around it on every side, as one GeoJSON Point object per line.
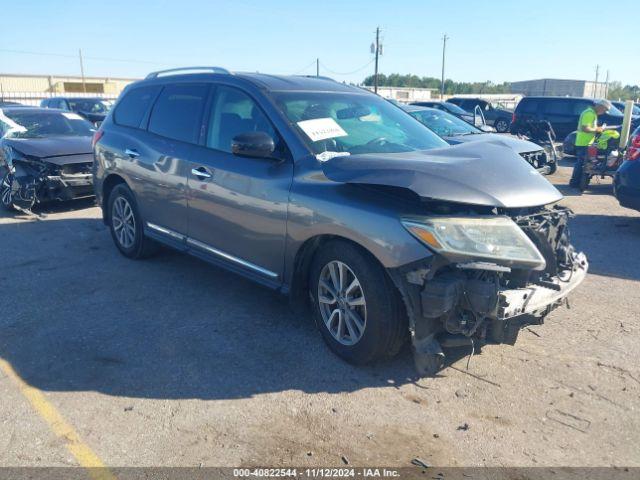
{"type": "Point", "coordinates": [634, 150]}
{"type": "Point", "coordinates": [513, 117]}
{"type": "Point", "coordinates": [97, 135]}
{"type": "Point", "coordinates": [592, 151]}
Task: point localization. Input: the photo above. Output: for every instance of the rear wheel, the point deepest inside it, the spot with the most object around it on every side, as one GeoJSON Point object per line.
{"type": "Point", "coordinates": [356, 306]}
{"type": "Point", "coordinates": [6, 191]}
{"type": "Point", "coordinates": [126, 225]}
{"type": "Point", "coordinates": [501, 125]}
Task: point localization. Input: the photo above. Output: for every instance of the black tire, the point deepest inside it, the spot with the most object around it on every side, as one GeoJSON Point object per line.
{"type": "Point", "coordinates": [585, 179]}
{"type": "Point", "coordinates": [553, 168]}
{"type": "Point", "coordinates": [385, 327]}
{"type": "Point", "coordinates": [5, 197]}
{"type": "Point", "coordinates": [141, 246]}
{"type": "Point", "coordinates": [502, 125]}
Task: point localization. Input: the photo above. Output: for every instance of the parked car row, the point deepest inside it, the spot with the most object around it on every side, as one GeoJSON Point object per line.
{"type": "Point", "coordinates": [92, 109]}
{"type": "Point", "coordinates": [456, 131]}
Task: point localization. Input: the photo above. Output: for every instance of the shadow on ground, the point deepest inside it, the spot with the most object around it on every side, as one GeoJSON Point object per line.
{"type": "Point", "coordinates": [78, 316]}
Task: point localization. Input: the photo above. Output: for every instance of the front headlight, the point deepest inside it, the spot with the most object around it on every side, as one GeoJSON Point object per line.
{"type": "Point", "coordinates": [494, 239]}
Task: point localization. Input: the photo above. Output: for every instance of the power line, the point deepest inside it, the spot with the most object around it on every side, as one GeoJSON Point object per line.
{"type": "Point", "coordinates": [348, 73]}
{"type": "Point", "coordinates": [305, 68]}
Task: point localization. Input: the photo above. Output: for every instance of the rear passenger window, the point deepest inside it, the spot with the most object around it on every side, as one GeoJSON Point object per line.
{"type": "Point", "coordinates": [560, 107]}
{"type": "Point", "coordinates": [234, 112]}
{"type": "Point", "coordinates": [177, 113]}
{"type": "Point", "coordinates": [528, 106]}
{"type": "Point", "coordinates": [134, 105]}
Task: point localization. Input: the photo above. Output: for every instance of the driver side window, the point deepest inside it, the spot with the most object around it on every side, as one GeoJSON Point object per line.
{"type": "Point", "coordinates": [233, 112]}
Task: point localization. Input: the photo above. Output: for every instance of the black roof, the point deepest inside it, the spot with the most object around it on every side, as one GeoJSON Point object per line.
{"type": "Point", "coordinates": [547, 97]}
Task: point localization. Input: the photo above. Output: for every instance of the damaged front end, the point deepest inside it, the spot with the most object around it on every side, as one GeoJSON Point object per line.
{"type": "Point", "coordinates": [28, 180]}
{"type": "Point", "coordinates": [491, 275]}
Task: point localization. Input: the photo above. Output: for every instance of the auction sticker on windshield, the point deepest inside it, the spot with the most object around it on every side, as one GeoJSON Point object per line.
{"type": "Point", "coordinates": [321, 129]}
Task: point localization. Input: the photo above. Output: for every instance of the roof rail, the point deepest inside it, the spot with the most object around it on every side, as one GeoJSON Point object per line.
{"type": "Point", "coordinates": [173, 71]}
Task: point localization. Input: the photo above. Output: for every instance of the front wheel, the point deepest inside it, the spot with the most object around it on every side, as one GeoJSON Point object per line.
{"type": "Point", "coordinates": [6, 192]}
{"type": "Point", "coordinates": [356, 307]}
{"type": "Point", "coordinates": [126, 224]}
{"type": "Point", "coordinates": [501, 125]}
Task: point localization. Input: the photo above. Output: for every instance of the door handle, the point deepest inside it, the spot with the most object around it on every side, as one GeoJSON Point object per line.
{"type": "Point", "coordinates": [131, 153]}
{"type": "Point", "coordinates": [201, 173]}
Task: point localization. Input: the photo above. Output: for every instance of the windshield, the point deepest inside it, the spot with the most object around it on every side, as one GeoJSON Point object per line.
{"type": "Point", "coordinates": [354, 123]}
{"type": "Point", "coordinates": [453, 108]}
{"type": "Point", "coordinates": [44, 124]}
{"type": "Point", "coordinates": [443, 123]}
{"type": "Point", "coordinates": [620, 107]}
{"type": "Point", "coordinates": [89, 106]}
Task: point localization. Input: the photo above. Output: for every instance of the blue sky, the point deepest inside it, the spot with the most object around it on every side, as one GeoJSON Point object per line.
{"type": "Point", "coordinates": [489, 40]}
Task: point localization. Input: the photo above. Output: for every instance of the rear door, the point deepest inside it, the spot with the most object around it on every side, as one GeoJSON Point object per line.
{"type": "Point", "coordinates": [238, 205]}
{"type": "Point", "coordinates": [170, 142]}
{"type": "Point", "coordinates": [155, 128]}
{"type": "Point", "coordinates": [560, 113]}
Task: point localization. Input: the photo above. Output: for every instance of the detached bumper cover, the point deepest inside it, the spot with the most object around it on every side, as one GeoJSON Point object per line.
{"type": "Point", "coordinates": [539, 300]}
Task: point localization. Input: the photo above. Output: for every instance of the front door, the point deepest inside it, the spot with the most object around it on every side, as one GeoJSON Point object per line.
{"type": "Point", "coordinates": [238, 205]}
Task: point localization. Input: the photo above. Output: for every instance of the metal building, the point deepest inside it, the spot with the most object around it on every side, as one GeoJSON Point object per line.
{"type": "Point", "coordinates": [560, 88]}
{"type": "Point", "coordinates": [30, 89]}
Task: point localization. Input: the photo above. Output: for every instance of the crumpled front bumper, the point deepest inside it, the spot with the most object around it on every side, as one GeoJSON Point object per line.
{"type": "Point", "coordinates": [539, 300]}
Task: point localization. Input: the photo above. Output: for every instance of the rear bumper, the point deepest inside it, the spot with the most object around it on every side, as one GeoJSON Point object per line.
{"type": "Point", "coordinates": [538, 300]}
{"type": "Point", "coordinates": [628, 197]}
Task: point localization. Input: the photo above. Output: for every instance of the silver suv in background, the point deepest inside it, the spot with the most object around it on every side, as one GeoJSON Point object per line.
{"type": "Point", "coordinates": [338, 198]}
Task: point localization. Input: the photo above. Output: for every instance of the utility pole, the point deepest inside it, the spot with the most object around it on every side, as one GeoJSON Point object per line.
{"type": "Point", "coordinates": [444, 49]}
{"type": "Point", "coordinates": [317, 67]}
{"type": "Point", "coordinates": [595, 87]}
{"type": "Point", "coordinates": [376, 49]}
{"type": "Point", "coordinates": [84, 85]}
{"type": "Point", "coordinates": [606, 86]}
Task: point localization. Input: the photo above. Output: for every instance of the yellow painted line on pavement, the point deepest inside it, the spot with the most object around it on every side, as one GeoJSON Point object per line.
{"type": "Point", "coordinates": [82, 453]}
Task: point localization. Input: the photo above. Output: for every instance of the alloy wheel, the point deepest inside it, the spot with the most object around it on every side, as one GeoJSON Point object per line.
{"type": "Point", "coordinates": [5, 190]}
{"type": "Point", "coordinates": [342, 303]}
{"type": "Point", "coordinates": [124, 222]}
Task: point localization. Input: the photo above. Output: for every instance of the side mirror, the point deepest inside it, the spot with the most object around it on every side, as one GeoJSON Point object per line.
{"type": "Point", "coordinates": [253, 144]}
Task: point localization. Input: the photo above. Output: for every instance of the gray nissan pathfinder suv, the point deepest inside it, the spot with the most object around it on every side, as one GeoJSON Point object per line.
{"type": "Point", "coordinates": [336, 197]}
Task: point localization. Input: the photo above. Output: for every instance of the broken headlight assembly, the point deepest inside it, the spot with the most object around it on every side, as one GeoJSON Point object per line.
{"type": "Point", "coordinates": [483, 238]}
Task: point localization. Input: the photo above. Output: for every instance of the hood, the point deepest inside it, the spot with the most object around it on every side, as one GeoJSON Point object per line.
{"type": "Point", "coordinates": [488, 174]}
{"type": "Point", "coordinates": [51, 146]}
{"type": "Point", "coordinates": [516, 144]}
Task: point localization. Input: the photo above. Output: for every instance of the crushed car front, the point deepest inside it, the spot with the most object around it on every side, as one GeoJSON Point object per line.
{"type": "Point", "coordinates": [472, 236]}
{"type": "Point", "coordinates": [46, 157]}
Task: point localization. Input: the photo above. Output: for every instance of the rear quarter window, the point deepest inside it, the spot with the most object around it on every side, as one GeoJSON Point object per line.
{"type": "Point", "coordinates": [133, 106]}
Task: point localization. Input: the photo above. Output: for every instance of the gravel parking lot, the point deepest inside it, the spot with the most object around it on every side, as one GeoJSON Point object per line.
{"type": "Point", "coordinates": [173, 362]}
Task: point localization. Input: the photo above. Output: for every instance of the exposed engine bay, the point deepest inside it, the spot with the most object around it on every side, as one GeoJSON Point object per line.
{"type": "Point", "coordinates": [476, 302]}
